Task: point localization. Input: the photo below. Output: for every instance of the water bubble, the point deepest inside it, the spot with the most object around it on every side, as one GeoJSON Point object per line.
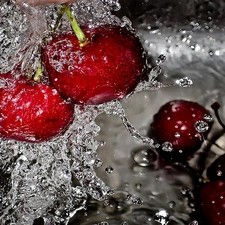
{"type": "Point", "coordinates": [184, 82]}
{"type": "Point", "coordinates": [167, 146]}
{"type": "Point", "coordinates": [162, 217]}
{"type": "Point", "coordinates": [201, 126]}
{"type": "Point", "coordinates": [208, 118]}
{"type": "Point", "coordinates": [144, 157]}
{"type": "Point", "coordinates": [109, 170]}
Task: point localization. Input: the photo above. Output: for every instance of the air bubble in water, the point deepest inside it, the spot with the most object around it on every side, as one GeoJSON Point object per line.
{"type": "Point", "coordinates": [201, 126]}
{"type": "Point", "coordinates": [167, 146]}
{"type": "Point", "coordinates": [162, 217]}
{"type": "Point", "coordinates": [184, 82]}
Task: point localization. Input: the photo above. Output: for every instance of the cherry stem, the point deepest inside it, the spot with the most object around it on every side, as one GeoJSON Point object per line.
{"type": "Point", "coordinates": [75, 26]}
{"type": "Point", "coordinates": [38, 73]}
{"type": "Point", "coordinates": [216, 106]}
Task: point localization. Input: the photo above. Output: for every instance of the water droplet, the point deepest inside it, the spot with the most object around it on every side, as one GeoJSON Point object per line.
{"type": "Point", "coordinates": [106, 202]}
{"type": "Point", "coordinates": [211, 53]}
{"type": "Point", "coordinates": [208, 118]}
{"type": "Point", "coordinates": [124, 223]}
{"type": "Point", "coordinates": [219, 173]}
{"type": "Point", "coordinates": [162, 217]}
{"type": "Point", "coordinates": [194, 222]}
{"type": "Point", "coordinates": [201, 126]}
{"type": "Point", "coordinates": [161, 59]}
{"type": "Point", "coordinates": [184, 82]}
{"type": "Point", "coordinates": [103, 223]}
{"type": "Point", "coordinates": [137, 201]}
{"type": "Point", "coordinates": [109, 170]}
{"type": "Point", "coordinates": [113, 4]}
{"type": "Point", "coordinates": [144, 157]}
{"type": "Point", "coordinates": [195, 47]}
{"type": "Point", "coordinates": [138, 186]}
{"type": "Point", "coordinates": [172, 204]}
{"type": "Point", "coordinates": [98, 163]}
{"type": "Point", "coordinates": [167, 146]}
{"type": "Point", "coordinates": [155, 72]}
{"type": "Point", "coordinates": [177, 135]}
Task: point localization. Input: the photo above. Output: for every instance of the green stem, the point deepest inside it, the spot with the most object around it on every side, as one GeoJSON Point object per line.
{"type": "Point", "coordinates": [38, 73]}
{"type": "Point", "coordinates": [75, 26]}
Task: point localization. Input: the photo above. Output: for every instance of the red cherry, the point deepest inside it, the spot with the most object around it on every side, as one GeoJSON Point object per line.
{"type": "Point", "coordinates": [107, 68]}
{"type": "Point", "coordinates": [31, 112]}
{"type": "Point", "coordinates": [216, 171]}
{"type": "Point", "coordinates": [177, 122]}
{"type": "Point", "coordinates": [212, 202]}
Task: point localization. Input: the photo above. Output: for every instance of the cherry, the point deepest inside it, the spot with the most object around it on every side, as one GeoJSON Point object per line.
{"type": "Point", "coordinates": [212, 202]}
{"type": "Point", "coordinates": [31, 112]}
{"type": "Point", "coordinates": [183, 125]}
{"type": "Point", "coordinates": [108, 67]}
{"type": "Point", "coordinates": [216, 171]}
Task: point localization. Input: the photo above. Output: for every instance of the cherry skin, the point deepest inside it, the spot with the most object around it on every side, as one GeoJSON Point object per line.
{"type": "Point", "coordinates": [212, 202]}
{"type": "Point", "coordinates": [32, 112]}
{"type": "Point", "coordinates": [108, 67]}
{"type": "Point", "coordinates": [216, 171]}
{"type": "Point", "coordinates": [176, 122]}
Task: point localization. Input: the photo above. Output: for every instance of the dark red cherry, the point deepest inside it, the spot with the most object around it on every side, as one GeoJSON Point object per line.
{"type": "Point", "coordinates": [216, 171]}
{"type": "Point", "coordinates": [32, 112]}
{"type": "Point", "coordinates": [108, 67]}
{"type": "Point", "coordinates": [181, 126]}
{"type": "Point", "coordinates": [212, 202]}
